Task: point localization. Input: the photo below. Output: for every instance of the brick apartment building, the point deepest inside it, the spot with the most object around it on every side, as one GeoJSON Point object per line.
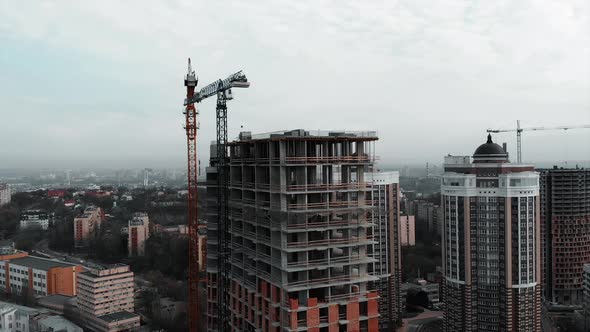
{"type": "Point", "coordinates": [565, 214]}
{"type": "Point", "coordinates": [139, 232]}
{"type": "Point", "coordinates": [87, 224]}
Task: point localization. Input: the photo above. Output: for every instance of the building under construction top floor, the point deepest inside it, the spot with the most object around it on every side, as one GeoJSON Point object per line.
{"type": "Point", "coordinates": [300, 233]}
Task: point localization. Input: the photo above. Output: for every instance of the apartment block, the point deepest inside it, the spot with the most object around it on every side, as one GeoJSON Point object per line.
{"type": "Point", "coordinates": [407, 230]}
{"type": "Point", "coordinates": [87, 224]}
{"type": "Point", "coordinates": [139, 232]}
{"type": "Point", "coordinates": [40, 276]}
{"type": "Point", "coordinates": [4, 194]}
{"type": "Point", "coordinates": [35, 218]}
{"type": "Point", "coordinates": [491, 243]}
{"type": "Point", "coordinates": [428, 218]}
{"type": "Point", "coordinates": [385, 195]}
{"type": "Point", "coordinates": [105, 298]}
{"type": "Point", "coordinates": [565, 213]}
{"type": "Point", "coordinates": [301, 232]}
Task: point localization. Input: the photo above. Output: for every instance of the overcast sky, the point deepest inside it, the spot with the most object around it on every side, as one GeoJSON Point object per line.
{"type": "Point", "coordinates": [101, 82]}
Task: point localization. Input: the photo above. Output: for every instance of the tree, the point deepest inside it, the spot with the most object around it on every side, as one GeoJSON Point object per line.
{"type": "Point", "coordinates": [26, 239]}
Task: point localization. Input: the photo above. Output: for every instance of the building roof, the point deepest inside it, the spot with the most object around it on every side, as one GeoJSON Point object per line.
{"type": "Point", "coordinates": [117, 316]}
{"type": "Point", "coordinates": [490, 148]}
{"type": "Point", "coordinates": [55, 299]}
{"type": "Point", "coordinates": [58, 323]}
{"type": "Point", "coordinates": [39, 263]}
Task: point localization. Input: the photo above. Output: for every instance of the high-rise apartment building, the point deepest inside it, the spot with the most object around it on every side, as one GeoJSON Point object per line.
{"type": "Point", "coordinates": [385, 195]}
{"type": "Point", "coordinates": [565, 214]}
{"type": "Point", "coordinates": [105, 298]}
{"type": "Point", "coordinates": [139, 232]}
{"type": "Point", "coordinates": [87, 224]}
{"type": "Point", "coordinates": [301, 232]}
{"type": "Point", "coordinates": [491, 243]}
{"type": "Point", "coordinates": [4, 194]}
{"type": "Point", "coordinates": [428, 217]}
{"type": "Point", "coordinates": [407, 230]}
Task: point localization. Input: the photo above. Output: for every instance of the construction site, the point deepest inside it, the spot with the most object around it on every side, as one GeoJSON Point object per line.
{"type": "Point", "coordinates": [298, 238]}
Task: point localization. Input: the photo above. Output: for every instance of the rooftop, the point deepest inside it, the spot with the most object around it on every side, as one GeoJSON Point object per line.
{"type": "Point", "coordinates": [55, 299]}
{"type": "Point", "coordinates": [117, 316]}
{"type": "Point", "coordinates": [39, 263]}
{"type": "Point", "coordinates": [300, 134]}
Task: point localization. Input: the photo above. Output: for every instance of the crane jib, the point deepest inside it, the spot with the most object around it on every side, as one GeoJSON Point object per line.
{"type": "Point", "coordinates": [238, 80]}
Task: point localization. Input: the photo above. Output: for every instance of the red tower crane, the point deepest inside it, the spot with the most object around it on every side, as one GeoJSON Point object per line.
{"type": "Point", "coordinates": [221, 88]}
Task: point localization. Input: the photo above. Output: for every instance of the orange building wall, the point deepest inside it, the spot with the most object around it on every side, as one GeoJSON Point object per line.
{"type": "Point", "coordinates": [18, 254]}
{"type": "Point", "coordinates": [62, 280]}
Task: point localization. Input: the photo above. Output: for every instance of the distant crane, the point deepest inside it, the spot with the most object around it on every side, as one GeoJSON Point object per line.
{"type": "Point", "coordinates": [221, 88]}
{"type": "Point", "coordinates": [519, 131]}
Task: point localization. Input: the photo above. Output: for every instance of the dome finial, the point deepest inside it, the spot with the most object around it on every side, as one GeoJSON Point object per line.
{"type": "Point", "coordinates": [489, 139]}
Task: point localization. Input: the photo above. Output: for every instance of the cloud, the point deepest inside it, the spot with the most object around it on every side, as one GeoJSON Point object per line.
{"type": "Point", "coordinates": [413, 70]}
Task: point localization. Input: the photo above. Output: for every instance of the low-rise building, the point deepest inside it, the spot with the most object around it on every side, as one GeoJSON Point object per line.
{"type": "Point", "coordinates": [139, 231]}
{"type": "Point", "coordinates": [41, 276]}
{"type": "Point", "coordinates": [15, 318]}
{"type": "Point", "coordinates": [35, 218]}
{"type": "Point", "coordinates": [105, 298]}
{"type": "Point", "coordinates": [4, 194]}
{"type": "Point", "coordinates": [53, 323]}
{"type": "Point", "coordinates": [87, 224]}
{"type": "Point", "coordinates": [408, 231]}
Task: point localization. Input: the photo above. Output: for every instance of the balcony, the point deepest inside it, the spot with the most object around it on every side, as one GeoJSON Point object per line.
{"type": "Point", "coordinates": [355, 259]}
{"type": "Point", "coordinates": [331, 205]}
{"type": "Point", "coordinates": [331, 242]}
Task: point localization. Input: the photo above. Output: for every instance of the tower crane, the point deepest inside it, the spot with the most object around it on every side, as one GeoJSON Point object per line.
{"type": "Point", "coordinates": [519, 131]}
{"type": "Point", "coordinates": [221, 88]}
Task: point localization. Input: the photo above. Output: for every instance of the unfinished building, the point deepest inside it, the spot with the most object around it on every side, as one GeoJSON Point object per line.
{"type": "Point", "coordinates": [565, 215]}
{"type": "Point", "coordinates": [301, 233]}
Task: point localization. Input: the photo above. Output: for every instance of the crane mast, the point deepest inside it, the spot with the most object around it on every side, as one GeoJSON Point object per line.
{"type": "Point", "coordinates": [519, 131]}
{"type": "Point", "coordinates": [190, 126]}
{"type": "Point", "coordinates": [222, 209]}
{"type": "Point", "coordinates": [221, 88]}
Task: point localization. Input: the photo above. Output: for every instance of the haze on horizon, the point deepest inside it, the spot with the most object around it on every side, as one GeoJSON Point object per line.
{"type": "Point", "coordinates": [101, 83]}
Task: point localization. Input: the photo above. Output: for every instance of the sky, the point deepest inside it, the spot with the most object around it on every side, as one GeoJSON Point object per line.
{"type": "Point", "coordinates": [100, 83]}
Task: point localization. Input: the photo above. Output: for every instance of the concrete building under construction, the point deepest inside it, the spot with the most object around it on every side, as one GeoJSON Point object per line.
{"type": "Point", "coordinates": [302, 230]}
{"type": "Point", "coordinates": [565, 215]}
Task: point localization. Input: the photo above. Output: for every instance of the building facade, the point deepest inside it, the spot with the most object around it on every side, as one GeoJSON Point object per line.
{"type": "Point", "coordinates": [428, 218]}
{"type": "Point", "coordinates": [565, 213]}
{"type": "Point", "coordinates": [105, 298]}
{"type": "Point", "coordinates": [300, 235]}
{"type": "Point", "coordinates": [385, 195]}
{"type": "Point", "coordinates": [4, 194]}
{"type": "Point", "coordinates": [408, 230]}
{"type": "Point", "coordinates": [491, 243]}
{"type": "Point", "coordinates": [39, 276]}
{"type": "Point", "coordinates": [139, 231]}
{"type": "Point", "coordinates": [35, 218]}
{"type": "Point", "coordinates": [87, 224]}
